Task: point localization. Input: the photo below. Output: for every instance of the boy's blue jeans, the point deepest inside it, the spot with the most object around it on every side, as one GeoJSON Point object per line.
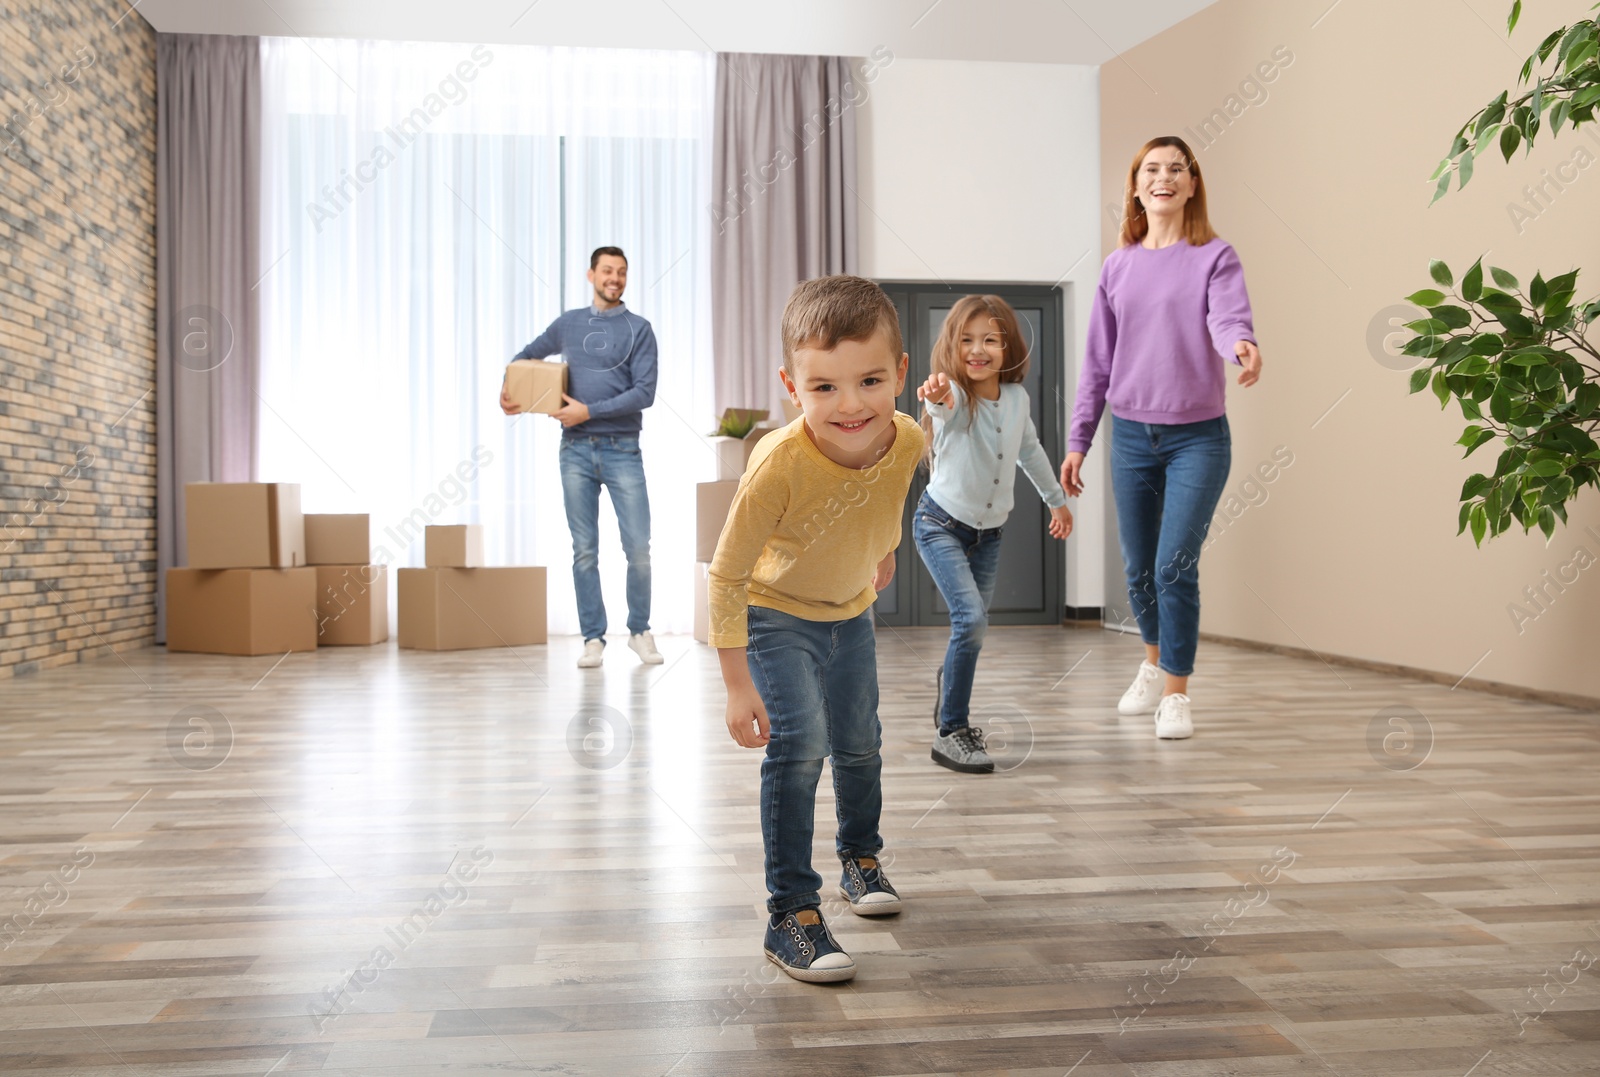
{"type": "Point", "coordinates": [588, 463]}
{"type": "Point", "coordinates": [819, 683]}
{"type": "Point", "coordinates": [963, 562]}
{"type": "Point", "coordinates": [1167, 480]}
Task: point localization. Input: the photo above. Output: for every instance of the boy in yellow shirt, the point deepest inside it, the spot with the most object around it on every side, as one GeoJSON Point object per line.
{"type": "Point", "coordinates": [809, 542]}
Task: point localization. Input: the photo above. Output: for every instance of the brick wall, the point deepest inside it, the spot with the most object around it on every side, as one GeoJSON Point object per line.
{"type": "Point", "coordinates": [77, 332]}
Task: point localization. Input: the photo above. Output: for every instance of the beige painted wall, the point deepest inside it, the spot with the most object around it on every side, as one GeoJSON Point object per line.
{"type": "Point", "coordinates": [1323, 188]}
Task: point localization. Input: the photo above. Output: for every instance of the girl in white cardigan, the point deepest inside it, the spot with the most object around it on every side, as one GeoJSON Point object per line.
{"type": "Point", "coordinates": [979, 431]}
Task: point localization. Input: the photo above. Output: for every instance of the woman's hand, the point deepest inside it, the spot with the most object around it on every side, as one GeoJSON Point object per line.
{"type": "Point", "coordinates": [935, 389]}
{"type": "Point", "coordinates": [1060, 522]}
{"type": "Point", "coordinates": [1250, 358]}
{"type": "Point", "coordinates": [1071, 470]}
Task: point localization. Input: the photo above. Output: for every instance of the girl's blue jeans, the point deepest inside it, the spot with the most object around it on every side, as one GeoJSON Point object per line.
{"type": "Point", "coordinates": [963, 562]}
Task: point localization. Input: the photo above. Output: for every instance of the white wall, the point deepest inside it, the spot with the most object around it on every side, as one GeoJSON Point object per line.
{"type": "Point", "coordinates": [991, 172]}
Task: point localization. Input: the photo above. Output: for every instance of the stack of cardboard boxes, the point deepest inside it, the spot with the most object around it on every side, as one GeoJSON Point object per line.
{"type": "Point", "coordinates": [247, 589]}
{"type": "Point", "coordinates": [712, 502]}
{"type": "Point", "coordinates": [456, 603]}
{"type": "Point", "coordinates": [352, 595]}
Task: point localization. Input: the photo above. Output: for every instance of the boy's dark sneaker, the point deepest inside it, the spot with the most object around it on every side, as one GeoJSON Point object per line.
{"type": "Point", "coordinates": [963, 750]}
{"type": "Point", "coordinates": [866, 888]}
{"type": "Point", "coordinates": [800, 944]}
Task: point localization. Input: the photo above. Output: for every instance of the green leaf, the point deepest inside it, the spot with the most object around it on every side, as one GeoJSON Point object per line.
{"type": "Point", "coordinates": [1444, 185]}
{"type": "Point", "coordinates": [1516, 13]}
{"type": "Point", "coordinates": [1469, 408]}
{"type": "Point", "coordinates": [1502, 278]}
{"type": "Point", "coordinates": [1473, 487]}
{"type": "Point", "coordinates": [1441, 273]}
{"type": "Point", "coordinates": [1581, 55]}
{"type": "Point", "coordinates": [1419, 379]}
{"type": "Point", "coordinates": [1471, 367]}
{"type": "Point", "coordinates": [1545, 469]}
{"type": "Point", "coordinates": [1537, 290]}
{"type": "Point", "coordinates": [1510, 137]}
{"type": "Point", "coordinates": [1461, 521]}
{"type": "Point", "coordinates": [1558, 116]}
{"type": "Point", "coordinates": [1427, 297]}
{"type": "Point", "coordinates": [1518, 326]}
{"type": "Point", "coordinates": [1440, 389]}
{"type": "Point", "coordinates": [1484, 437]}
{"type": "Point", "coordinates": [1479, 523]}
{"type": "Point", "coordinates": [1486, 344]}
{"type": "Point", "coordinates": [1472, 283]}
{"type": "Point", "coordinates": [1586, 399]}
{"type": "Point", "coordinates": [1468, 436]}
{"type": "Point", "coordinates": [1464, 169]}
{"type": "Point", "coordinates": [1546, 378]}
{"type": "Point", "coordinates": [1500, 404]}
{"type": "Point", "coordinates": [1526, 359]}
{"type": "Point", "coordinates": [1566, 282]}
{"type": "Point", "coordinates": [1547, 522]}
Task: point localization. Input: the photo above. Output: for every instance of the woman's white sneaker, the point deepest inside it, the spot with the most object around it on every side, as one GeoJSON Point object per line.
{"type": "Point", "coordinates": [1144, 693]}
{"type": "Point", "coordinates": [1172, 718]}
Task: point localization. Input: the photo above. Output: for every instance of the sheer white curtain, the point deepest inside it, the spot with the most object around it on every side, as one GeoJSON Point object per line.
{"type": "Point", "coordinates": [416, 202]}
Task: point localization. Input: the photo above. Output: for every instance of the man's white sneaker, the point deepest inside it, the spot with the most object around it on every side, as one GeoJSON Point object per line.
{"type": "Point", "coordinates": [594, 652]}
{"type": "Point", "coordinates": [644, 645]}
{"type": "Point", "coordinates": [1172, 718]}
{"type": "Point", "coordinates": [1144, 693]}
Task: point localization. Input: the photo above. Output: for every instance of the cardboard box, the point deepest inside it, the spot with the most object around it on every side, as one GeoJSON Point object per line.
{"type": "Point", "coordinates": [452, 609]}
{"type": "Point", "coordinates": [702, 602]}
{"type": "Point", "coordinates": [244, 525]}
{"type": "Point", "coordinates": [536, 385]}
{"type": "Point", "coordinates": [245, 611]}
{"type": "Point", "coordinates": [352, 605]}
{"type": "Point", "coordinates": [338, 539]}
{"type": "Point", "coordinates": [453, 546]}
{"type": "Point", "coordinates": [733, 454]}
{"type": "Point", "coordinates": [712, 502]}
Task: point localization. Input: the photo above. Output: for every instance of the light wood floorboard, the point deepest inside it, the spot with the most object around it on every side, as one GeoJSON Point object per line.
{"type": "Point", "coordinates": [1286, 894]}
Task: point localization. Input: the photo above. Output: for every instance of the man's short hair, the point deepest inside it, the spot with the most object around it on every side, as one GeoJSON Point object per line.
{"type": "Point", "coordinates": [615, 252]}
{"type": "Point", "coordinates": [822, 312]}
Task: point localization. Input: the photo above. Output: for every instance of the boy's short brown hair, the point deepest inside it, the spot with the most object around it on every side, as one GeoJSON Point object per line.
{"type": "Point", "coordinates": [822, 312]}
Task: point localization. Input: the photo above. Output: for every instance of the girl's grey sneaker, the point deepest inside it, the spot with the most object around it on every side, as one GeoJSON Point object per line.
{"type": "Point", "coordinates": [800, 944]}
{"type": "Point", "coordinates": [963, 750]}
{"type": "Point", "coordinates": [866, 888]}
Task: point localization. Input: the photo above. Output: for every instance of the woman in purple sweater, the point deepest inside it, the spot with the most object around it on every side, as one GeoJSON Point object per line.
{"type": "Point", "coordinates": [1170, 308]}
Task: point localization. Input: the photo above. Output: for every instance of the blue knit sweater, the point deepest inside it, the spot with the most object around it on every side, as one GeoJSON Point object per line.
{"type": "Point", "coordinates": [611, 367]}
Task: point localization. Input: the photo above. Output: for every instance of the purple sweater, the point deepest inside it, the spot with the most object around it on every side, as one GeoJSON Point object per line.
{"type": "Point", "coordinates": [1163, 320]}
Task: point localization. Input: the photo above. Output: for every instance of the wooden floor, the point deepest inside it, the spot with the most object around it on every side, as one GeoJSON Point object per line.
{"type": "Point", "coordinates": [365, 861]}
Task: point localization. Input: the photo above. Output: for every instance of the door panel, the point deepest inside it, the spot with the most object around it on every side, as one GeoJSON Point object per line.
{"type": "Point", "coordinates": [1028, 589]}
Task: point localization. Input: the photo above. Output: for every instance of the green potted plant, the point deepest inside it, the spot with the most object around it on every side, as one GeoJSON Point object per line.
{"type": "Point", "coordinates": [733, 440]}
{"type": "Point", "coordinates": [1517, 359]}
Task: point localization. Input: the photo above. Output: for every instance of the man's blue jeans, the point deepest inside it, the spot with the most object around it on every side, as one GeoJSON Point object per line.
{"type": "Point", "coordinates": [819, 683]}
{"type": "Point", "coordinates": [586, 465]}
{"type": "Point", "coordinates": [1167, 480]}
{"type": "Point", "coordinates": [963, 562]}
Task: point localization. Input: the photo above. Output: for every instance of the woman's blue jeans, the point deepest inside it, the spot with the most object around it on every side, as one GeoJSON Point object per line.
{"type": "Point", "coordinates": [963, 562]}
{"type": "Point", "coordinates": [587, 464]}
{"type": "Point", "coordinates": [819, 683]}
{"type": "Point", "coordinates": [1167, 480]}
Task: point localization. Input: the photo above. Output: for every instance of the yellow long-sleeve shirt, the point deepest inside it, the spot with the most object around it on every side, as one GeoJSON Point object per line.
{"type": "Point", "coordinates": [805, 534]}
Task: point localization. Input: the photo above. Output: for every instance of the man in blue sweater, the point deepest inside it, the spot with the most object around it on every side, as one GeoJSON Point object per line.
{"type": "Point", "coordinates": [610, 354]}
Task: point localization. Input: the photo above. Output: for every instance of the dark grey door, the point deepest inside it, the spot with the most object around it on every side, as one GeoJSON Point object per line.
{"type": "Point", "coordinates": [1029, 587]}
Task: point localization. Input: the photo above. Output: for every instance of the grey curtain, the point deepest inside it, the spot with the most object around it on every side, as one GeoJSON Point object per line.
{"type": "Point", "coordinates": [784, 164]}
{"type": "Point", "coordinates": [208, 202]}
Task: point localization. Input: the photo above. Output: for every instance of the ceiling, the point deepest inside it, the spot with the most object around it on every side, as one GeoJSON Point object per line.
{"type": "Point", "coordinates": [1027, 31]}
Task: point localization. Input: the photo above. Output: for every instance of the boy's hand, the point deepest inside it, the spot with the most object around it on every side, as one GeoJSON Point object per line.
{"type": "Point", "coordinates": [746, 715]}
{"type": "Point", "coordinates": [934, 391]}
{"type": "Point", "coordinates": [884, 573]}
{"type": "Point", "coordinates": [747, 718]}
{"type": "Point", "coordinates": [1060, 522]}
{"type": "Point", "coordinates": [507, 405]}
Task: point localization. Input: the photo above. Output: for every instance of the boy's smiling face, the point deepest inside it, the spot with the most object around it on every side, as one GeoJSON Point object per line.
{"type": "Point", "coordinates": [847, 394]}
